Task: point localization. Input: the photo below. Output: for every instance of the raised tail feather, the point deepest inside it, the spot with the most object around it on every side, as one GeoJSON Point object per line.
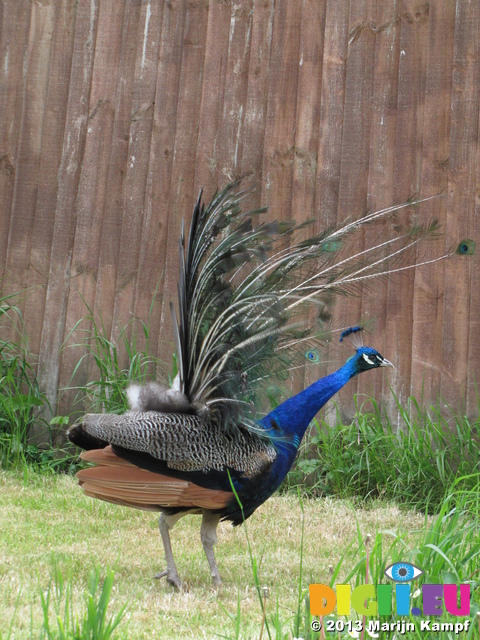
{"type": "Point", "coordinates": [245, 291]}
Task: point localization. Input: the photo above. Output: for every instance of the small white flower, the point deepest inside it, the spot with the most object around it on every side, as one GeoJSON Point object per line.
{"type": "Point", "coordinates": [354, 633]}
{"type": "Point", "coordinates": [372, 634]}
{"type": "Point", "coordinates": [416, 593]}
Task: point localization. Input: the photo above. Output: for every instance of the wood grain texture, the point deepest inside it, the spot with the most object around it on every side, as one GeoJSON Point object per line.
{"type": "Point", "coordinates": [115, 114]}
{"type": "Point", "coordinates": [15, 27]}
{"type": "Point", "coordinates": [60, 282]}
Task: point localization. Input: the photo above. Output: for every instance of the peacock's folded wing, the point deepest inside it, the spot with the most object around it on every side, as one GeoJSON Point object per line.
{"type": "Point", "coordinates": [179, 445]}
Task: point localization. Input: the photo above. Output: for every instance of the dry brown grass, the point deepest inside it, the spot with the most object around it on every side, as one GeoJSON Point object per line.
{"type": "Point", "coordinates": [48, 523]}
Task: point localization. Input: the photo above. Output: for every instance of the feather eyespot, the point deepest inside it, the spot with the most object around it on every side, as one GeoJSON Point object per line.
{"type": "Point", "coordinates": [332, 247]}
{"type": "Point", "coordinates": [312, 356]}
{"type": "Point", "coordinates": [466, 247]}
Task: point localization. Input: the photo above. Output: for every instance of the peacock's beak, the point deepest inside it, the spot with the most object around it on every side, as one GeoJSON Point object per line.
{"type": "Point", "coordinates": [386, 363]}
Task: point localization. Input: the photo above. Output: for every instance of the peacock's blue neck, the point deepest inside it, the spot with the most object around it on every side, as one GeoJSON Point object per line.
{"type": "Point", "coordinates": [293, 416]}
{"type": "Point", "coordinates": [286, 425]}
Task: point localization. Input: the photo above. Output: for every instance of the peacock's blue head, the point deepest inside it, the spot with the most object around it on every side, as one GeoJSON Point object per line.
{"type": "Point", "coordinates": [367, 358]}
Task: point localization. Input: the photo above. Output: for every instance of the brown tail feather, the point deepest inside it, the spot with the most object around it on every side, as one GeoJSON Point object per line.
{"type": "Point", "coordinates": [118, 481]}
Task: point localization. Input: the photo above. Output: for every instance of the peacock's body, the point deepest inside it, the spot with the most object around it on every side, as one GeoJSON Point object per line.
{"type": "Point", "coordinates": [244, 293]}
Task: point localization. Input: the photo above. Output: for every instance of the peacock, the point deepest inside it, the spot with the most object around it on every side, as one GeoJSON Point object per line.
{"type": "Point", "coordinates": [253, 301]}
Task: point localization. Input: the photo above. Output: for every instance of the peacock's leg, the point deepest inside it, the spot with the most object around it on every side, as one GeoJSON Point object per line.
{"type": "Point", "coordinates": [208, 535]}
{"type": "Point", "coordinates": [165, 523]}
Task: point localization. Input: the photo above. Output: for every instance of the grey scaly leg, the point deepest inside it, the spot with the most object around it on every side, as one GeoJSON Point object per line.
{"type": "Point", "coordinates": [165, 523]}
{"type": "Point", "coordinates": [208, 535]}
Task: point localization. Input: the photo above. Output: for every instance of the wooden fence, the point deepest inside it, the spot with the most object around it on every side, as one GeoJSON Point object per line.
{"type": "Point", "coordinates": [115, 112]}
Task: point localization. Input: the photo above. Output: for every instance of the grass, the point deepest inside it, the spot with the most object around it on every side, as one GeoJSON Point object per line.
{"type": "Point", "coordinates": [48, 526]}
{"type": "Point", "coordinates": [414, 462]}
{"type": "Point", "coordinates": [20, 395]}
{"type": "Point", "coordinates": [57, 546]}
{"type": "Point", "coordinates": [116, 362]}
{"type": "Point", "coordinates": [21, 400]}
{"type": "Point", "coordinates": [92, 623]}
{"type": "Point", "coordinates": [447, 551]}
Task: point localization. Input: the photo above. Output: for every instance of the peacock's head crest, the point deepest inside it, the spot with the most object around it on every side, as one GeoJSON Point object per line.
{"type": "Point", "coordinates": [351, 333]}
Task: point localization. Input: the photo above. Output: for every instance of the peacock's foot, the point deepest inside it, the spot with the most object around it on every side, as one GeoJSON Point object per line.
{"type": "Point", "coordinates": [172, 578]}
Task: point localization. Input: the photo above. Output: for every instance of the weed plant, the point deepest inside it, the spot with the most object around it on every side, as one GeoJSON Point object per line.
{"type": "Point", "coordinates": [93, 623]}
{"type": "Point", "coordinates": [448, 553]}
{"type": "Point", "coordinates": [117, 362]}
{"type": "Point", "coordinates": [414, 462]}
{"type": "Point", "coordinates": [66, 619]}
{"type": "Point", "coordinates": [19, 392]}
{"type": "Point", "coordinates": [48, 522]}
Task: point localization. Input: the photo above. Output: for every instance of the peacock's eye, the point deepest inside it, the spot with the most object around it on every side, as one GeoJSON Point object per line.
{"type": "Point", "coordinates": [312, 356]}
{"type": "Point", "coordinates": [402, 572]}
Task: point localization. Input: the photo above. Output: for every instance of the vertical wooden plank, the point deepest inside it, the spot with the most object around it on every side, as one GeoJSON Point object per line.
{"type": "Point", "coordinates": [461, 190]}
{"type": "Point", "coordinates": [14, 33]}
{"type": "Point", "coordinates": [473, 382]}
{"type": "Point", "coordinates": [473, 230]}
{"type": "Point", "coordinates": [380, 192]}
{"type": "Point", "coordinates": [352, 198]}
{"type": "Point", "coordinates": [408, 144]}
{"type": "Point", "coordinates": [331, 106]}
{"type": "Point", "coordinates": [429, 280]}
{"type": "Point", "coordinates": [236, 82]}
{"type": "Point", "coordinates": [279, 146]}
{"type": "Point", "coordinates": [182, 187]}
{"type": "Point", "coordinates": [112, 217]}
{"type": "Point", "coordinates": [356, 111]}
{"type": "Point", "coordinates": [307, 139]}
{"type": "Point", "coordinates": [140, 139]}
{"type": "Point", "coordinates": [37, 66]}
{"type": "Point", "coordinates": [92, 189]}
{"type": "Point", "coordinates": [59, 280]}
{"type": "Point", "coordinates": [50, 159]}
{"type": "Point", "coordinates": [151, 270]}
{"type": "Point", "coordinates": [307, 112]}
{"type": "Point", "coordinates": [331, 110]}
{"type": "Point", "coordinates": [385, 86]}
{"type": "Point", "coordinates": [211, 103]}
{"type": "Point", "coordinates": [257, 94]}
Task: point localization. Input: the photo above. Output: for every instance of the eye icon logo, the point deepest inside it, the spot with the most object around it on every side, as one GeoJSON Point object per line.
{"type": "Point", "coordinates": [402, 572]}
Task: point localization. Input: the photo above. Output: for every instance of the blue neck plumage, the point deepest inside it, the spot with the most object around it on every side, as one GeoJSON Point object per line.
{"type": "Point", "coordinates": [290, 420]}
